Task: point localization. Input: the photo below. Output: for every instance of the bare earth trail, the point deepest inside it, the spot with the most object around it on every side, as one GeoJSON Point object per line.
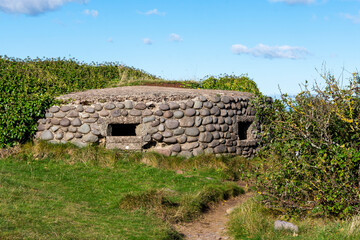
{"type": "Point", "coordinates": [212, 226]}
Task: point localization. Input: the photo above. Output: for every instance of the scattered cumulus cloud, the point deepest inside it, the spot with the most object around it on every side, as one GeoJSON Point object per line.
{"type": "Point", "coordinates": [153, 12]}
{"type": "Point", "coordinates": [147, 41]}
{"type": "Point", "coordinates": [175, 37]}
{"type": "Point", "coordinates": [271, 52]}
{"type": "Point", "coordinates": [32, 7]}
{"type": "Point", "coordinates": [353, 18]}
{"type": "Point", "coordinates": [291, 2]}
{"type": "Point", "coordinates": [93, 13]}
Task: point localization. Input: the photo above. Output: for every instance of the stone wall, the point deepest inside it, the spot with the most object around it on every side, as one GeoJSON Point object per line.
{"type": "Point", "coordinates": [184, 124]}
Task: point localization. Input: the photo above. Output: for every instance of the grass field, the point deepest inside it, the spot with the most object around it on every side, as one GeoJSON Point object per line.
{"type": "Point", "coordinates": [61, 192]}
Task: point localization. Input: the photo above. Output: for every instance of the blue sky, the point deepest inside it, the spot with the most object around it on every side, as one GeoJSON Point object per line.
{"type": "Point", "coordinates": [276, 42]}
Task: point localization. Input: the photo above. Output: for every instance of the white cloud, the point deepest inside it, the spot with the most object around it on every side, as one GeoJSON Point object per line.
{"type": "Point", "coordinates": [271, 52]}
{"type": "Point", "coordinates": [153, 12]}
{"type": "Point", "coordinates": [295, 1]}
{"type": "Point", "coordinates": [175, 38]}
{"type": "Point", "coordinates": [93, 13]}
{"type": "Point", "coordinates": [32, 7]}
{"type": "Point", "coordinates": [354, 18]}
{"type": "Point", "coordinates": [147, 41]}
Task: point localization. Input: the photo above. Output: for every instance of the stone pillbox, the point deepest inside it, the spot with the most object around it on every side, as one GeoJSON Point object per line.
{"type": "Point", "coordinates": [171, 121]}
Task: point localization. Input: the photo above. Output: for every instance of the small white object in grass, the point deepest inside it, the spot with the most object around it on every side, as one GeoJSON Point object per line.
{"type": "Point", "coordinates": [127, 147]}
{"type": "Point", "coordinates": [282, 225]}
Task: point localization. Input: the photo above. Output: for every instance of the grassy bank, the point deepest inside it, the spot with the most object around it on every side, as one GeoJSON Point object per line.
{"type": "Point", "coordinates": [253, 221]}
{"type": "Point", "coordinates": [61, 192]}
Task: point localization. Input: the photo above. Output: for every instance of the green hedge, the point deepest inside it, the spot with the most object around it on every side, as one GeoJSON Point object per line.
{"type": "Point", "coordinates": [240, 83]}
{"type": "Point", "coordinates": [28, 88]}
{"type": "Point", "coordinates": [310, 152]}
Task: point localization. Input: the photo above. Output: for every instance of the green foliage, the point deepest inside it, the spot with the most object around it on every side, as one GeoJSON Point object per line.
{"type": "Point", "coordinates": [28, 88]}
{"type": "Point", "coordinates": [230, 82]}
{"type": "Point", "coordinates": [311, 150]}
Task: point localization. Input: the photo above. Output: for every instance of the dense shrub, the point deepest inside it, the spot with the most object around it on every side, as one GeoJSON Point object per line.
{"type": "Point", "coordinates": [28, 88]}
{"type": "Point", "coordinates": [311, 150]}
{"type": "Point", "coordinates": [240, 83]}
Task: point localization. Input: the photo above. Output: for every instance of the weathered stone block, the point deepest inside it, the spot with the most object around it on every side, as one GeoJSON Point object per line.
{"type": "Point", "coordinates": [68, 136]}
{"type": "Point", "coordinates": [47, 135]}
{"type": "Point", "coordinates": [190, 103]}
{"type": "Point", "coordinates": [54, 109]}
{"type": "Point", "coordinates": [104, 113]}
{"type": "Point", "coordinates": [198, 104]}
{"type": "Point", "coordinates": [187, 122]}
{"type": "Point", "coordinates": [208, 105]}
{"type": "Point", "coordinates": [155, 123]}
{"type": "Point", "coordinates": [167, 134]}
{"type": "Point", "coordinates": [59, 115]}
{"type": "Point", "coordinates": [158, 113]}
{"type": "Point", "coordinates": [76, 122]}
{"type": "Point", "coordinates": [168, 114]}
{"type": "Point", "coordinates": [91, 138]}
{"type": "Point", "coordinates": [148, 119]}
{"type": "Point", "coordinates": [90, 110]}
{"type": "Point", "coordinates": [124, 113]}
{"type": "Point", "coordinates": [128, 104]}
{"type": "Point", "coordinates": [176, 148]}
{"type": "Point", "coordinates": [207, 120]}
{"type": "Point", "coordinates": [210, 128]}
{"type": "Point", "coordinates": [205, 137]}
{"type": "Point", "coordinates": [192, 132]}
{"type": "Point", "coordinates": [198, 151]}
{"type": "Point", "coordinates": [190, 112]}
{"type": "Point", "coordinates": [65, 122]}
{"type": "Point", "coordinates": [161, 127]}
{"type": "Point", "coordinates": [171, 123]}
{"type": "Point", "coordinates": [178, 114]}
{"type": "Point", "coordinates": [140, 106]}
{"type": "Point", "coordinates": [214, 144]}
{"type": "Point", "coordinates": [164, 107]}
{"type": "Point", "coordinates": [147, 112]}
{"type": "Point", "coordinates": [182, 139]}
{"type": "Point", "coordinates": [135, 112]}
{"type": "Point", "coordinates": [205, 112]}
{"type": "Point", "coordinates": [85, 128]}
{"type": "Point", "coordinates": [98, 107]}
{"type": "Point", "coordinates": [116, 112]}
{"type": "Point", "coordinates": [178, 131]}
{"type": "Point", "coordinates": [171, 140]}
{"type": "Point", "coordinates": [189, 146]}
{"type": "Point", "coordinates": [220, 149]}
{"type": "Point", "coordinates": [80, 108]}
{"type": "Point", "coordinates": [41, 127]}
{"type": "Point", "coordinates": [157, 136]}
{"type": "Point", "coordinates": [174, 105]}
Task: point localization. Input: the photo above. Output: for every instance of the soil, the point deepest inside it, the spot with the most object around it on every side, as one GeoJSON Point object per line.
{"type": "Point", "coordinates": [212, 226]}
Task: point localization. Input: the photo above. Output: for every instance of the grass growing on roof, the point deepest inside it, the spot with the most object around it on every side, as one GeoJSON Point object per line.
{"type": "Point", "coordinates": [49, 191]}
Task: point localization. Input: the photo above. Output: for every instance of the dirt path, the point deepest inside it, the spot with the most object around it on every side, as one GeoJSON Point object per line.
{"type": "Point", "coordinates": [212, 226]}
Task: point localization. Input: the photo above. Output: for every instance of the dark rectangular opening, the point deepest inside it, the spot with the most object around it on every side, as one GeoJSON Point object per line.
{"type": "Point", "coordinates": [243, 128]}
{"type": "Point", "coordinates": [116, 129]}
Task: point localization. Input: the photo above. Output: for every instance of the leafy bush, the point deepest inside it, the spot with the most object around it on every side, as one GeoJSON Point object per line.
{"type": "Point", "coordinates": [28, 88]}
{"type": "Point", "coordinates": [311, 150]}
{"type": "Point", "coordinates": [240, 83]}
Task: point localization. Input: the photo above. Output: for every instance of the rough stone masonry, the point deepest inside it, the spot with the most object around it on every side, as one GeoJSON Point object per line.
{"type": "Point", "coordinates": [171, 121]}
